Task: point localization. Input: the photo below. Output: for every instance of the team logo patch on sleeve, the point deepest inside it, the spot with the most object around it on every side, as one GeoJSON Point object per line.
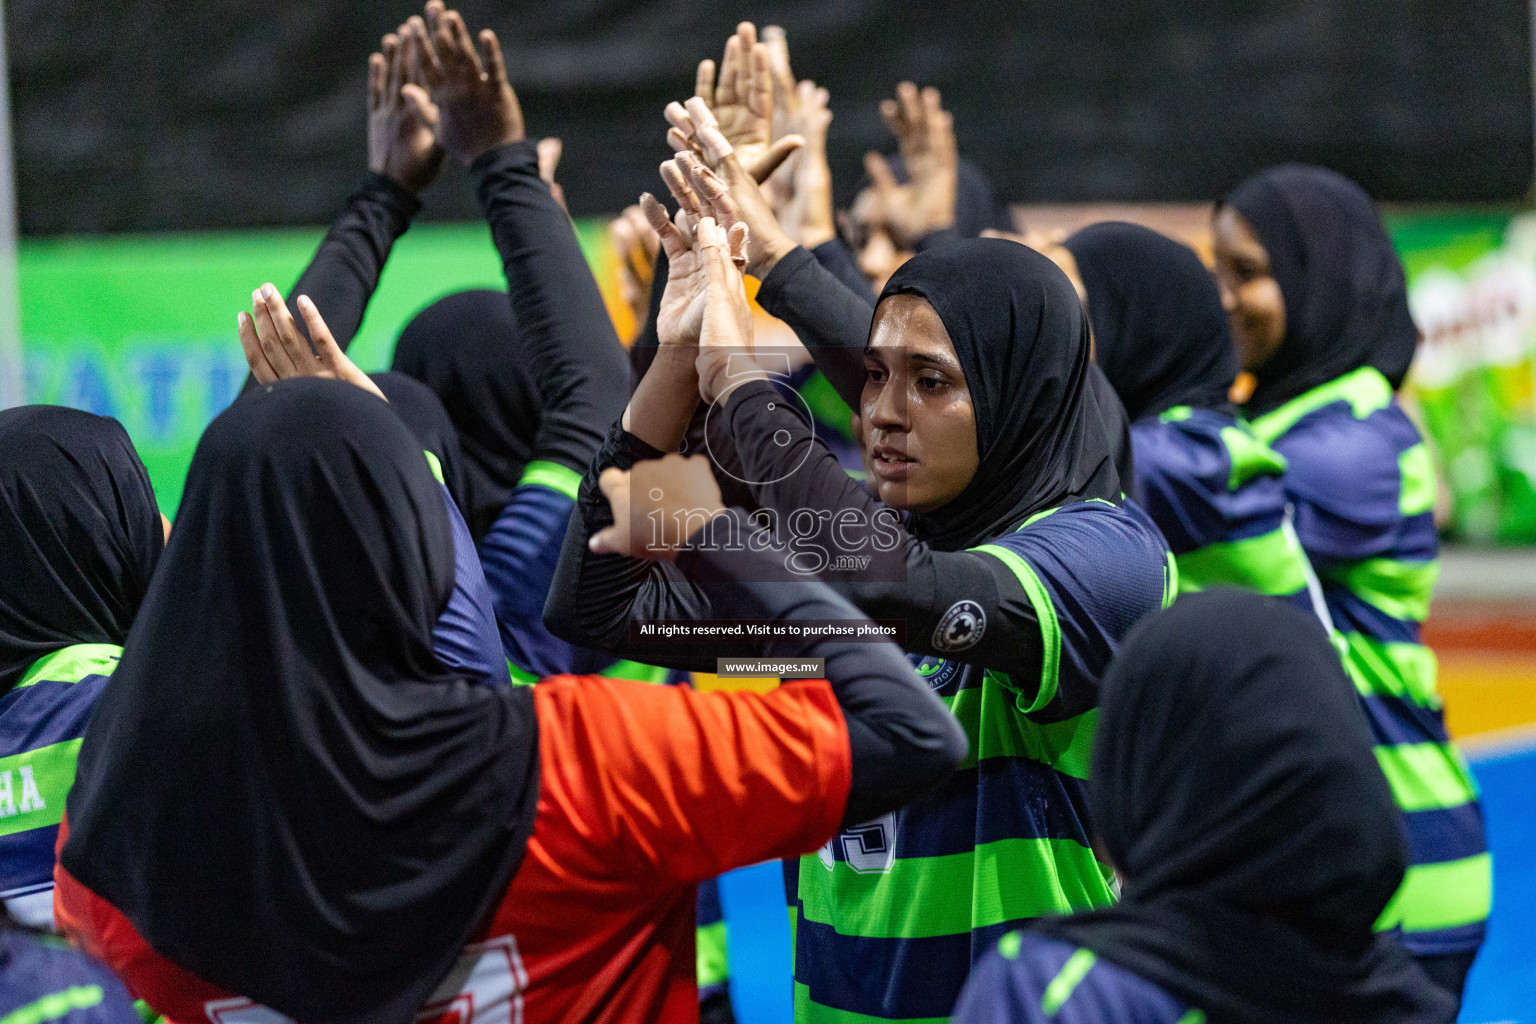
{"type": "Point", "coordinates": [961, 626]}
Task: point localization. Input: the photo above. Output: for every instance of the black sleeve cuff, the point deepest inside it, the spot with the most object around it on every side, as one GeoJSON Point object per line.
{"type": "Point", "coordinates": [770, 291]}
{"type": "Point", "coordinates": [514, 157]}
{"type": "Point", "coordinates": [402, 204]}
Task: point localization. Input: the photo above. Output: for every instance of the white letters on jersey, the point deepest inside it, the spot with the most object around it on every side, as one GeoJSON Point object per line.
{"type": "Point", "coordinates": [486, 986]}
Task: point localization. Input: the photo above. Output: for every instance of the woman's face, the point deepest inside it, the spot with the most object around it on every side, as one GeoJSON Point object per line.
{"type": "Point", "coordinates": [1249, 293]}
{"type": "Point", "coordinates": [875, 247]}
{"type": "Point", "coordinates": [918, 423]}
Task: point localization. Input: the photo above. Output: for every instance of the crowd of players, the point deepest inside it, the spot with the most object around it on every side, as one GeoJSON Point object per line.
{"type": "Point", "coordinates": [371, 735]}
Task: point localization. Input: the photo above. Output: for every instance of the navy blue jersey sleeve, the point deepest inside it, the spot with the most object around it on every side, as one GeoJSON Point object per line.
{"type": "Point", "coordinates": [44, 980]}
{"type": "Point", "coordinates": [1091, 570]}
{"type": "Point", "coordinates": [1030, 979]}
{"type": "Point", "coordinates": [519, 554]}
{"type": "Point", "coordinates": [1197, 490]}
{"type": "Point", "coordinates": [1354, 483]}
{"type": "Point", "coordinates": [465, 637]}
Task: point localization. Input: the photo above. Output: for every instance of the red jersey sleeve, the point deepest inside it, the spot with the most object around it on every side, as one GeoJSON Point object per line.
{"type": "Point", "coordinates": [687, 785]}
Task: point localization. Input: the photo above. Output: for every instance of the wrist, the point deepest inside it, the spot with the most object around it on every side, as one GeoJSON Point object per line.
{"type": "Point", "coordinates": [767, 254]}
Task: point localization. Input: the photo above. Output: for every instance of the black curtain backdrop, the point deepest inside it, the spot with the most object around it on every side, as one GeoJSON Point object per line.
{"type": "Point", "coordinates": [149, 115]}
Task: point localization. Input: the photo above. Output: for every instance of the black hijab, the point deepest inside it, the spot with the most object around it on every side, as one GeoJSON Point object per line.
{"type": "Point", "coordinates": [1161, 334]}
{"type": "Point", "coordinates": [283, 788]}
{"type": "Point", "coordinates": [468, 349]}
{"type": "Point", "coordinates": [1022, 340]}
{"type": "Point", "coordinates": [1235, 789]}
{"type": "Point", "coordinates": [421, 410]}
{"type": "Point", "coordinates": [1346, 300]}
{"type": "Point", "coordinates": [80, 534]}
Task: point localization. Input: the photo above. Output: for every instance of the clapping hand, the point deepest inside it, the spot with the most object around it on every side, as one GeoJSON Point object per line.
{"type": "Point", "coordinates": [275, 350]}
{"type": "Point", "coordinates": [925, 136]}
{"type": "Point", "coordinates": [653, 504]}
{"type": "Point", "coordinates": [401, 117]}
{"type": "Point", "coordinates": [477, 109]}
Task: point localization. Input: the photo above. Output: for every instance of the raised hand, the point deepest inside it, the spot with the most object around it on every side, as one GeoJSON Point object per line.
{"type": "Point", "coordinates": [742, 103]}
{"type": "Point", "coordinates": [636, 244]}
{"type": "Point", "coordinates": [925, 135]}
{"type": "Point", "coordinates": [477, 109]}
{"type": "Point", "coordinates": [275, 350]}
{"type": "Point", "coordinates": [731, 191]}
{"type": "Point", "coordinates": [680, 316]}
{"type": "Point", "coordinates": [401, 117]}
{"type": "Point", "coordinates": [807, 213]}
{"type": "Point", "coordinates": [725, 338]}
{"type": "Point", "coordinates": [549, 151]}
{"type": "Point", "coordinates": [654, 503]}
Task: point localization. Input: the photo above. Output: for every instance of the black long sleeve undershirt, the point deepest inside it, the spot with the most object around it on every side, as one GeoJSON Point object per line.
{"type": "Point", "coordinates": [344, 272]}
{"type": "Point", "coordinates": [580, 367]}
{"type": "Point", "coordinates": [843, 265]}
{"type": "Point", "coordinates": [902, 738]}
{"type": "Point", "coordinates": [594, 597]}
{"type": "Point", "coordinates": [830, 319]}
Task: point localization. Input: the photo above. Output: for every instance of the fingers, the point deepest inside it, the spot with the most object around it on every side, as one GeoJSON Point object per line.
{"type": "Point", "coordinates": [490, 53]}
{"type": "Point", "coordinates": [549, 151]}
{"type": "Point", "coordinates": [377, 70]}
{"type": "Point", "coordinates": [677, 117]}
{"type": "Point", "coordinates": [707, 131]}
{"type": "Point", "coordinates": [775, 155]}
{"type": "Point", "coordinates": [283, 355]}
{"type": "Point", "coordinates": [463, 43]}
{"type": "Point", "coordinates": [910, 103]}
{"type": "Point", "coordinates": [704, 82]}
{"type": "Point", "coordinates": [736, 239]}
{"type": "Point", "coordinates": [423, 54]}
{"type": "Point", "coordinates": [881, 177]}
{"type": "Point", "coordinates": [656, 215]}
{"type": "Point", "coordinates": [778, 59]}
{"type": "Point", "coordinates": [746, 44]}
{"type": "Point", "coordinates": [758, 89]}
{"type": "Point", "coordinates": [420, 103]}
{"type": "Point", "coordinates": [255, 358]}
{"type": "Point", "coordinates": [392, 60]}
{"type": "Point", "coordinates": [614, 483]}
{"type": "Point", "coordinates": [326, 349]}
{"type": "Point", "coordinates": [713, 197]}
{"type": "Point", "coordinates": [725, 87]}
{"type": "Point", "coordinates": [678, 184]}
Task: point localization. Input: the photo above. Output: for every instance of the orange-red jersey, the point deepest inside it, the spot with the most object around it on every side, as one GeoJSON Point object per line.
{"type": "Point", "coordinates": [643, 792]}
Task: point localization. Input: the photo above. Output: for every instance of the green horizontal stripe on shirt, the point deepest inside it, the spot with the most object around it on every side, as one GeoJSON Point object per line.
{"type": "Point", "coordinates": [922, 897]}
{"type": "Point", "coordinates": [1365, 389]}
{"type": "Point", "coordinates": [1445, 895]}
{"type": "Point", "coordinates": [808, 1011]}
{"type": "Point", "coordinates": [1402, 670]}
{"type": "Point", "coordinates": [1249, 457]}
{"type": "Point", "coordinates": [552, 475]}
{"type": "Point", "coordinates": [1426, 776]}
{"type": "Point", "coordinates": [73, 664]}
{"type": "Point", "coordinates": [1397, 588]}
{"type": "Point", "coordinates": [1417, 471]}
{"type": "Point", "coordinates": [33, 786]}
{"type": "Point", "coordinates": [1066, 981]}
{"type": "Point", "coordinates": [55, 1005]}
{"type": "Point", "coordinates": [1045, 612]}
{"type": "Point", "coordinates": [713, 966]}
{"type": "Point", "coordinates": [1272, 563]}
{"type": "Point", "coordinates": [990, 715]}
{"type": "Point", "coordinates": [1192, 1017]}
{"type": "Point", "coordinates": [633, 671]}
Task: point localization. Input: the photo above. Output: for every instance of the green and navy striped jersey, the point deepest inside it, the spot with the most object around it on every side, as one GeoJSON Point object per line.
{"type": "Point", "coordinates": [1215, 491]}
{"type": "Point", "coordinates": [43, 981]}
{"type": "Point", "coordinates": [42, 720]}
{"type": "Point", "coordinates": [1031, 979]}
{"type": "Point", "coordinates": [893, 913]}
{"type": "Point", "coordinates": [1362, 485]}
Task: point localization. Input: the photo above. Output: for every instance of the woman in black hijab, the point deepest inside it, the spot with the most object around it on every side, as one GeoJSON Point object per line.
{"type": "Point", "coordinates": [1235, 790]}
{"type": "Point", "coordinates": [343, 814]}
{"type": "Point", "coordinates": [1211, 487]}
{"type": "Point", "coordinates": [1317, 302]}
{"type": "Point", "coordinates": [468, 349]}
{"type": "Point", "coordinates": [421, 410]}
{"type": "Point", "coordinates": [997, 546]}
{"type": "Point", "coordinates": [80, 534]}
